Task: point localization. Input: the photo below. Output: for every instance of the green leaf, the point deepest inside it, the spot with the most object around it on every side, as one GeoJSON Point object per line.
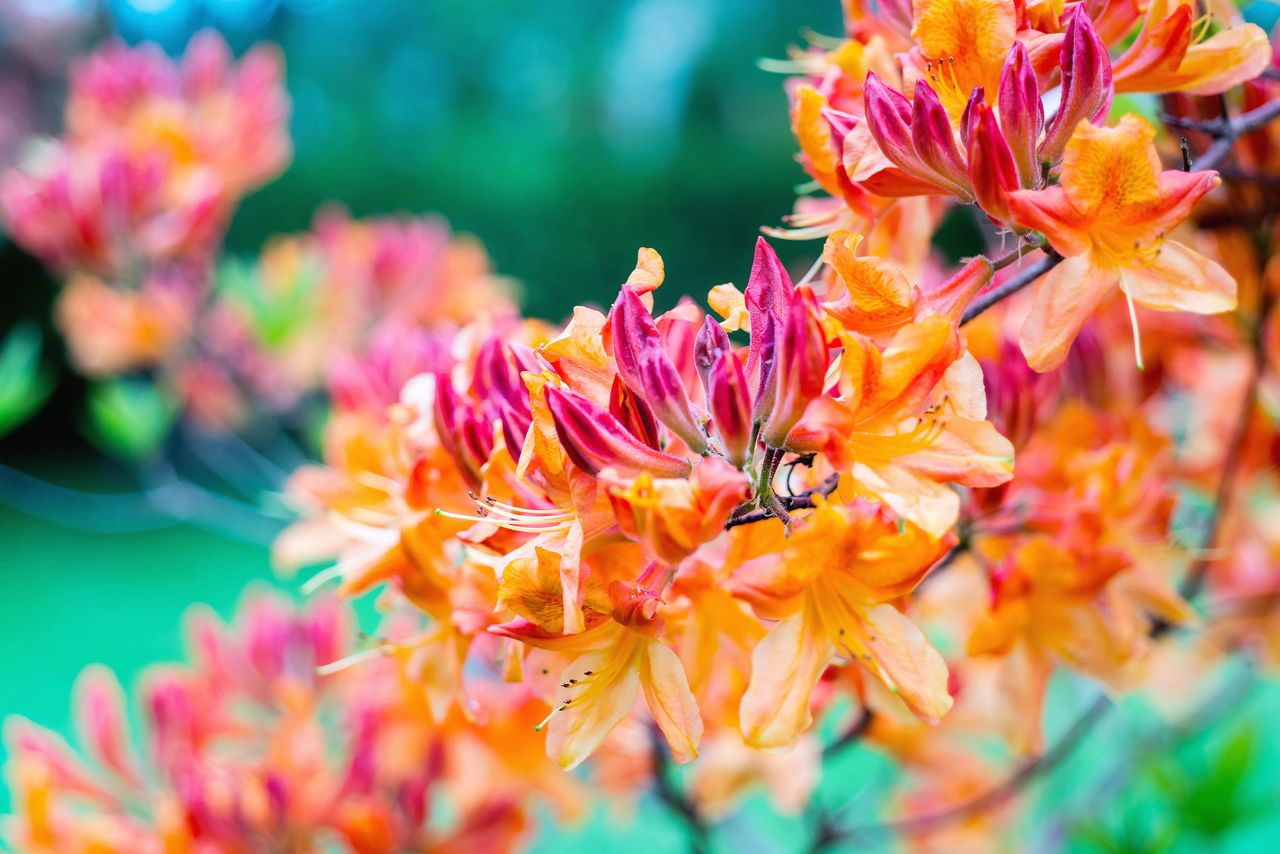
{"type": "Point", "coordinates": [130, 417]}
{"type": "Point", "coordinates": [24, 384]}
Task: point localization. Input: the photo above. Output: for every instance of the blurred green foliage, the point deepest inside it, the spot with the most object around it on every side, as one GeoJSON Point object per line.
{"type": "Point", "coordinates": [565, 135]}
{"type": "Point", "coordinates": [24, 383]}
{"type": "Point", "coordinates": [129, 417]}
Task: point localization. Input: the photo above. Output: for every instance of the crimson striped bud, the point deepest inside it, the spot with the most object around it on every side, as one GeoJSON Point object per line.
{"type": "Point", "coordinates": [633, 413]}
{"type": "Point", "coordinates": [991, 165]}
{"type": "Point", "coordinates": [712, 342]}
{"type": "Point", "coordinates": [800, 367]}
{"type": "Point", "coordinates": [648, 371]}
{"type": "Point", "coordinates": [935, 141]}
{"type": "Point", "coordinates": [1021, 113]}
{"type": "Point", "coordinates": [1087, 87]}
{"type": "Point", "coordinates": [595, 440]}
{"type": "Point", "coordinates": [729, 399]}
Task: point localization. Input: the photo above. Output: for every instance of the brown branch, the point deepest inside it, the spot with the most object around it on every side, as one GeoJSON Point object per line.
{"type": "Point", "coordinates": [1010, 286]}
{"type": "Point", "coordinates": [1227, 132]}
{"type": "Point", "coordinates": [1225, 701]}
{"type": "Point", "coordinates": [800, 501]}
{"type": "Point", "coordinates": [1232, 459]}
{"type": "Point", "coordinates": [852, 734]}
{"type": "Point", "coordinates": [990, 799]}
{"type": "Point", "coordinates": [1015, 255]}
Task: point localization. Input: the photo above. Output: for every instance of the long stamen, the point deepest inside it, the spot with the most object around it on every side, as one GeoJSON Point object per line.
{"type": "Point", "coordinates": [382, 483]}
{"type": "Point", "coordinates": [352, 660]}
{"type": "Point", "coordinates": [512, 518]}
{"type": "Point", "coordinates": [575, 683]}
{"type": "Point", "coordinates": [1137, 336]}
{"type": "Point", "coordinates": [1200, 27]}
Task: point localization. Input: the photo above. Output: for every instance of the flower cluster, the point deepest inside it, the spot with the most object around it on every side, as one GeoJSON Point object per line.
{"type": "Point", "coordinates": [130, 207]}
{"type": "Point", "coordinates": [252, 746]}
{"type": "Point", "coordinates": [898, 495]}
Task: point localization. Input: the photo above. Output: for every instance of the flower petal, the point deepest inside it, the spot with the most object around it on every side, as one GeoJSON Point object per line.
{"type": "Point", "coordinates": [1065, 298]}
{"type": "Point", "coordinates": [909, 662]}
{"type": "Point", "coordinates": [784, 668]}
{"type": "Point", "coordinates": [666, 689]}
{"type": "Point", "coordinates": [1181, 279]}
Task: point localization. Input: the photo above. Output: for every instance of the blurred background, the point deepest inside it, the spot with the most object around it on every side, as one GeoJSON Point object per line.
{"type": "Point", "coordinates": [564, 135]}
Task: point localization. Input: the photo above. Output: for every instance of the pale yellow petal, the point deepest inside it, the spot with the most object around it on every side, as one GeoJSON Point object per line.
{"type": "Point", "coordinates": [784, 668]}
{"type": "Point", "coordinates": [666, 689]}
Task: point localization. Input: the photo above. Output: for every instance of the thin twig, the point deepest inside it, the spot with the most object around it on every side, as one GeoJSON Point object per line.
{"type": "Point", "coordinates": [990, 799]}
{"type": "Point", "coordinates": [1227, 133]}
{"type": "Point", "coordinates": [1232, 459]}
{"type": "Point", "coordinates": [800, 501]}
{"type": "Point", "coordinates": [1010, 286]}
{"type": "Point", "coordinates": [1223, 702]}
{"type": "Point", "coordinates": [852, 734]}
{"type": "Point", "coordinates": [675, 800]}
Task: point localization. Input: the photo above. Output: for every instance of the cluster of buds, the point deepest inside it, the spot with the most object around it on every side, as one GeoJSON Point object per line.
{"type": "Point", "coordinates": [155, 157]}
{"type": "Point", "coordinates": [129, 207]}
{"type": "Point", "coordinates": [250, 746]}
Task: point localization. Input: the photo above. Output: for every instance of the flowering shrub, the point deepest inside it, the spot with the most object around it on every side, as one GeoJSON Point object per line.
{"type": "Point", "coordinates": [896, 495]}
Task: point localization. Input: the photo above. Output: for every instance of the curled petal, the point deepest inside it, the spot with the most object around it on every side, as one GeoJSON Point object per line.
{"type": "Point", "coordinates": [594, 439]}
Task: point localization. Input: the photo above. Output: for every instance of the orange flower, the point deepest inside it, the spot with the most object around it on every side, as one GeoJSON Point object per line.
{"type": "Point", "coordinates": [672, 517]}
{"type": "Point", "coordinates": [833, 590]}
{"type": "Point", "coordinates": [614, 659]}
{"type": "Point", "coordinates": [907, 419]}
{"type": "Point", "coordinates": [1171, 53]}
{"type": "Point", "coordinates": [961, 44]}
{"type": "Point", "coordinates": [1109, 219]}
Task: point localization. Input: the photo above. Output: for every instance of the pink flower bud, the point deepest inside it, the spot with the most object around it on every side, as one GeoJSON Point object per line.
{"type": "Point", "coordinates": [764, 348]}
{"type": "Point", "coordinates": [497, 382]}
{"type": "Point", "coordinates": [594, 440]}
{"type": "Point", "coordinates": [991, 165]}
{"type": "Point", "coordinates": [646, 368]}
{"type": "Point", "coordinates": [729, 399]}
{"type": "Point", "coordinates": [801, 367]}
{"type": "Point", "coordinates": [767, 294]}
{"type": "Point", "coordinates": [100, 719]}
{"type": "Point", "coordinates": [976, 97]}
{"type": "Point", "coordinates": [889, 120]}
{"type": "Point", "coordinates": [711, 343]}
{"type": "Point", "coordinates": [1021, 113]}
{"type": "Point", "coordinates": [841, 125]}
{"type": "Point", "coordinates": [935, 141]}
{"type": "Point", "coordinates": [633, 413]}
{"type": "Point", "coordinates": [463, 433]}
{"type": "Point", "coordinates": [1086, 85]}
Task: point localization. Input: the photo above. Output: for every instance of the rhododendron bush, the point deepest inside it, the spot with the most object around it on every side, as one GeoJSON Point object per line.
{"type": "Point", "coordinates": [880, 503]}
